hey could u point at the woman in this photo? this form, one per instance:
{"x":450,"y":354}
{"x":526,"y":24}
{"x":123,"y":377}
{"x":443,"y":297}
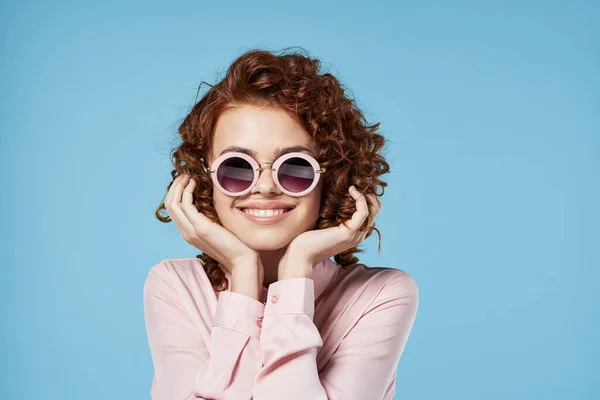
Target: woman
{"x":264,"y":312}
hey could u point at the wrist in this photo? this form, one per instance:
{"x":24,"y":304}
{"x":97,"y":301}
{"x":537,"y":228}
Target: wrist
{"x":247,"y":278}
{"x":246,"y":267}
{"x":294,"y":268}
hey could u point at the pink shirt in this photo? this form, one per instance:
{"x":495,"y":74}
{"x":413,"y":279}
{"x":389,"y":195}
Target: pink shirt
{"x":337,"y":336}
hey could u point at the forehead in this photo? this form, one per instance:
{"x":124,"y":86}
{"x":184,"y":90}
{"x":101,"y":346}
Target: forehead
{"x":261,"y":130}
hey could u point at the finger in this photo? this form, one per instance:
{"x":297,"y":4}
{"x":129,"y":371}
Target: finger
{"x":362,"y":210}
{"x":169,"y":199}
{"x":376,"y":206}
{"x":175,"y":211}
{"x":377,"y":200}
{"x":374,"y":209}
{"x":196,"y":219}
{"x":170,"y":191}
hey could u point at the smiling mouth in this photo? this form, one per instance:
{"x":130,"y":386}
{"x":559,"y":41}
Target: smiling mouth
{"x":285,"y":211}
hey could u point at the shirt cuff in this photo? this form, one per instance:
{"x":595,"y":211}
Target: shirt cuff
{"x":239,"y":313}
{"x":291,"y":296}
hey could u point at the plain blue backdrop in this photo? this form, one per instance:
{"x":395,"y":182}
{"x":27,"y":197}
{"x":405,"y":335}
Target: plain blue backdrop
{"x":492,"y":110}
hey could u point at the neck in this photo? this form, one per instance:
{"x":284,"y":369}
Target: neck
{"x":270,"y":261}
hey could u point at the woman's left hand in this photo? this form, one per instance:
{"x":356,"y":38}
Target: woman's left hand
{"x":311,"y":247}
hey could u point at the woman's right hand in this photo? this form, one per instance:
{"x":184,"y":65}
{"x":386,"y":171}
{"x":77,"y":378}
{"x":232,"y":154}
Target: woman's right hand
{"x":202,"y":233}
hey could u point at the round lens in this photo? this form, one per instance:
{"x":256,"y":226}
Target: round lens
{"x":235,"y":174}
{"x":296,"y":174}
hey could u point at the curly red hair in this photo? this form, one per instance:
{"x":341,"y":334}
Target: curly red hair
{"x":348,"y":147}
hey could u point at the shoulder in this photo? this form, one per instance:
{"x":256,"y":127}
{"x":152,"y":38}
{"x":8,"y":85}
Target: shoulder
{"x":380,"y":282}
{"x":177,"y":273}
{"x":401,"y":283}
{"x":394,"y":297}
{"x":178,"y":289}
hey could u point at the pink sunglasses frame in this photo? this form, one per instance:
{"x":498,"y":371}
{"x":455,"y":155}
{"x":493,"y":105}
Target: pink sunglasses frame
{"x":257,"y":168}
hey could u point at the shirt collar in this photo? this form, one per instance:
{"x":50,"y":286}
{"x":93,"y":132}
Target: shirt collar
{"x":322,"y":275}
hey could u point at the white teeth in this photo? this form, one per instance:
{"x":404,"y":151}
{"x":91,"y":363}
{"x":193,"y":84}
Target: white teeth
{"x":263,"y":213}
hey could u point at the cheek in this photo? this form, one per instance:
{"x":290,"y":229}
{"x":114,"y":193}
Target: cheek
{"x":313,"y":204}
{"x":222,"y":204}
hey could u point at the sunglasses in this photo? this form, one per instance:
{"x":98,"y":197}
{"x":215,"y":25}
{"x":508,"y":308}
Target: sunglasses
{"x":235,"y":174}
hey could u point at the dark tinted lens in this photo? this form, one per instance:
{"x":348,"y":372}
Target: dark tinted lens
{"x":296,"y":174}
{"x":235,"y":174}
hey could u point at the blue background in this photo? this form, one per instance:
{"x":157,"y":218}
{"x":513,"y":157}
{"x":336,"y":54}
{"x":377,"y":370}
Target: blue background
{"x":493,"y":115}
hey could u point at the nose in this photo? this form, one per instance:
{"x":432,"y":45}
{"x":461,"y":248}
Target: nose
{"x":265,"y":183}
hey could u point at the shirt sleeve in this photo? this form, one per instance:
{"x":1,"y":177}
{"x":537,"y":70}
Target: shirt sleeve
{"x":185,"y":367}
{"x":363,"y":367}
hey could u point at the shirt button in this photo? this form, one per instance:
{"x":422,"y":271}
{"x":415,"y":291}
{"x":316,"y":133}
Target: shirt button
{"x":259,"y":322}
{"x":274,"y":299}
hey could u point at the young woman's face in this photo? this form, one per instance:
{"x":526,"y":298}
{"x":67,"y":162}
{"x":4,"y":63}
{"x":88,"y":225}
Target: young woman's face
{"x":262,"y":130}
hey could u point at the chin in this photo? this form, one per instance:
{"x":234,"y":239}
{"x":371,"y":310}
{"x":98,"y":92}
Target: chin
{"x":266,"y":240}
